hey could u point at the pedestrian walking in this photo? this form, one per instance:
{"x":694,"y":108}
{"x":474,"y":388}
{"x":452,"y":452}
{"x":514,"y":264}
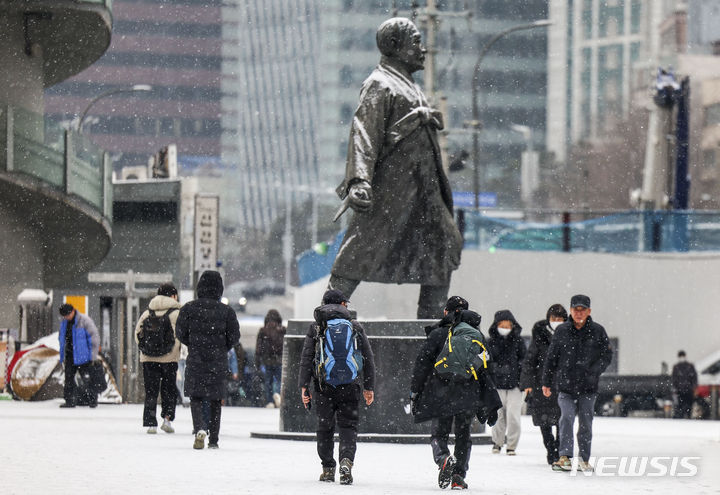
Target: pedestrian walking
{"x":684,"y":382}
{"x":159,"y":354}
{"x":336,"y":351}
{"x":508,"y":350}
{"x":450,"y":385}
{"x":545,"y":410}
{"x":579,"y":352}
{"x":79,"y":347}
{"x":268,"y":356}
{"x":209,"y":329}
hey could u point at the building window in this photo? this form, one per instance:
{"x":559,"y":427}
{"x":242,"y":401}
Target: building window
{"x":712,"y":114}
{"x":346,"y":75}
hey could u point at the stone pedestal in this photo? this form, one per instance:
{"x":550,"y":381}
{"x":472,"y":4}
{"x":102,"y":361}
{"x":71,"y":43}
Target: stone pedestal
{"x":395,"y":344}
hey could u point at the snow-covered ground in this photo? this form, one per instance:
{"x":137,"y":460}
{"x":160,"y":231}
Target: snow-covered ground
{"x":44,"y":449}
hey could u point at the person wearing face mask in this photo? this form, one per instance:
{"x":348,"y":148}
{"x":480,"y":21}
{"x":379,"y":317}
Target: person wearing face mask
{"x":579,"y":352}
{"x":545,"y":410}
{"x":507,"y":350}
{"x":684,"y":381}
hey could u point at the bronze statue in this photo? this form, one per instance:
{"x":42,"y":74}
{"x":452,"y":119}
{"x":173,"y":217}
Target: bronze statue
{"x":402,"y":230}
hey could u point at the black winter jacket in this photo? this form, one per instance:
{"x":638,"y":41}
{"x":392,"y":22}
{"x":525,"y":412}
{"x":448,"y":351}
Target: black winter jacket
{"x":323,"y":314}
{"x":209,"y":329}
{"x":684,"y":377}
{"x":441,"y":398}
{"x":545,"y":410}
{"x":507,"y":352}
{"x":577,"y":358}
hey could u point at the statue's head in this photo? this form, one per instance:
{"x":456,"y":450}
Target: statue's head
{"x":399,"y":39}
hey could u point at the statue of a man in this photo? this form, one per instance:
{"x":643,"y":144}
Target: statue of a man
{"x":403,"y":229}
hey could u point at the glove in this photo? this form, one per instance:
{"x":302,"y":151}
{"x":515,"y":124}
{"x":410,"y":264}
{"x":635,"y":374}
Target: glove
{"x":414,"y":397}
{"x":360,"y":196}
{"x":492,"y":418}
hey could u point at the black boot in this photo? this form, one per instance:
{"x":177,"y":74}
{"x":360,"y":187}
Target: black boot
{"x":346,"y":472}
{"x":328,"y":474}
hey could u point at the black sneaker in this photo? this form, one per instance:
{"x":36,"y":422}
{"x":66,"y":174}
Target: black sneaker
{"x":346,"y":472}
{"x":213,"y":446}
{"x":67,"y":404}
{"x":328,"y":474}
{"x":458,"y":482}
{"x":446,"y":468}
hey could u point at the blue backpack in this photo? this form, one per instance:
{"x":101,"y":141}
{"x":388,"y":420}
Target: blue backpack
{"x":337,"y":358}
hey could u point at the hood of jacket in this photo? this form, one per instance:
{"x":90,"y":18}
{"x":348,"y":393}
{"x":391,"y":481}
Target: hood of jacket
{"x":328,"y":312}
{"x":504,"y":314}
{"x":210,"y":285}
{"x":541,"y":331}
{"x":446,"y":321}
{"x":471,"y":318}
{"x":163,"y":303}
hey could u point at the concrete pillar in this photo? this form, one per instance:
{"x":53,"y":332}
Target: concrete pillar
{"x":21,"y":77}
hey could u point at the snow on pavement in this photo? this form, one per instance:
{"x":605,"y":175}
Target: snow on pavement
{"x":45,"y":449}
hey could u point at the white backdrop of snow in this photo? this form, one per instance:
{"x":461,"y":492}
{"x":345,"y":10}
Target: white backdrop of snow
{"x":45,"y":449}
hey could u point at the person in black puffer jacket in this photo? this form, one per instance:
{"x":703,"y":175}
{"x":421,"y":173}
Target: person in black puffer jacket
{"x":545,"y":410}
{"x":449,"y":402}
{"x":507,"y":350}
{"x":209,"y":329}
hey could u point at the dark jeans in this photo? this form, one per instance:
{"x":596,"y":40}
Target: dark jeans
{"x":582,"y":406}
{"x":70,"y":388}
{"x":213,"y":424}
{"x":684,"y":405}
{"x":463,"y":443}
{"x":551,"y":442}
{"x":340,"y":403}
{"x":272,"y":377}
{"x":159,"y":377}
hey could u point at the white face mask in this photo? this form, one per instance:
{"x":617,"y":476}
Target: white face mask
{"x":555,"y":324}
{"x":504,"y":331}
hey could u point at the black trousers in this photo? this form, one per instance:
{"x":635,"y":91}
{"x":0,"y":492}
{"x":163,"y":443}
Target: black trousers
{"x":684,"y":405}
{"x":337,"y":405}
{"x":70,"y":387}
{"x":159,"y":377}
{"x":463,"y":443}
{"x":213,"y":426}
{"x":551,"y":442}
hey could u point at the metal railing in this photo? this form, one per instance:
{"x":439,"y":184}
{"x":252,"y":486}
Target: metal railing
{"x":63,"y":159}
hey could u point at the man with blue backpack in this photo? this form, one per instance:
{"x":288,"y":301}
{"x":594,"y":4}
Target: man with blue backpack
{"x":335,"y":353}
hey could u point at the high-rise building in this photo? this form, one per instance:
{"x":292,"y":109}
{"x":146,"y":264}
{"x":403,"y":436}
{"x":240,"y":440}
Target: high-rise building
{"x":172,"y":45}
{"x":294,"y":71}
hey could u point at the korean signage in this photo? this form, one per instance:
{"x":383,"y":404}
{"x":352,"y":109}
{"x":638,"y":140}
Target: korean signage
{"x":207,"y":212}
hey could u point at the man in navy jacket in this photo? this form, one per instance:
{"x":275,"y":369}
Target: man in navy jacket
{"x":579,"y":352}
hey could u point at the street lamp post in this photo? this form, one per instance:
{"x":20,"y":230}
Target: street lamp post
{"x":475,"y":122}
{"x":133,"y":89}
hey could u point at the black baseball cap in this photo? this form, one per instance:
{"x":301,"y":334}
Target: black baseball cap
{"x":455,"y":303}
{"x":65,"y":309}
{"x":579,"y":300}
{"x":334,"y":296}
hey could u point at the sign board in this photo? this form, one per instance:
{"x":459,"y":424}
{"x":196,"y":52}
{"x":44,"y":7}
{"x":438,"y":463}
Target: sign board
{"x":78,"y":302}
{"x":464,"y":199}
{"x":207,"y":212}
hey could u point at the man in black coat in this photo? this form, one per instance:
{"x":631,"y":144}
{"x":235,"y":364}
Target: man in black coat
{"x":341,"y":403}
{"x":684,"y":381}
{"x":545,"y":410}
{"x":507,"y":349}
{"x":209,"y":329}
{"x":579,"y":352}
{"x":447,"y":401}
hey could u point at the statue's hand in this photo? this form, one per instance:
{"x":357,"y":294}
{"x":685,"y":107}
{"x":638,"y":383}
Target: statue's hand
{"x":360,"y":196}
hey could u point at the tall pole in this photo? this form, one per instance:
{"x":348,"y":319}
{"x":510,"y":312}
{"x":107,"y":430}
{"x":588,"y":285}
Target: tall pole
{"x":475,"y":122}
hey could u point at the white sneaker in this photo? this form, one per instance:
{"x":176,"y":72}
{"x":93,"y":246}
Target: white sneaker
{"x":167,"y":427}
{"x":270,"y":405}
{"x":200,"y":440}
{"x":585,"y":466}
{"x":152,"y":430}
{"x":276,"y":399}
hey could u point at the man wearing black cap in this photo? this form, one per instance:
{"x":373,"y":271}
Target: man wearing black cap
{"x":340,"y":401}
{"x":684,"y":381}
{"x":579,"y":352}
{"x":79,"y":347}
